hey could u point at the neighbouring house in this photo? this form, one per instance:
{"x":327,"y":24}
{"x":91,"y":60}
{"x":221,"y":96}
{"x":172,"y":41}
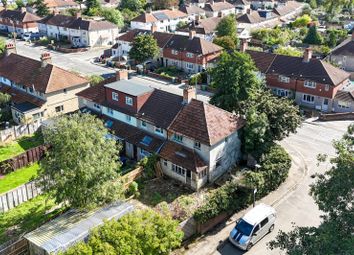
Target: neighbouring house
{"x":219,"y":9}
{"x":204,"y":28}
{"x":242,"y":6}
{"x":190,"y":53}
{"x":19,"y":21}
{"x":73,"y":226}
{"x":343,"y":55}
{"x":78,"y":31}
{"x":164,"y":20}
{"x":110,"y":3}
{"x":38,"y":89}
{"x":193,"y":11}
{"x":199,"y":3}
{"x":56,"y":6}
{"x":312,"y":83}
{"x":124,"y":42}
{"x":197,"y":142}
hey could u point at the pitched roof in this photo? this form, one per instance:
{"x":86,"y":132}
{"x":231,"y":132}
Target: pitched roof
{"x":252,"y":18}
{"x":346,"y":48}
{"x":289,"y":7}
{"x":145,"y":18}
{"x":160,"y":37}
{"x":19,"y":97}
{"x":193,"y":9}
{"x":347,"y":96}
{"x":219,"y":6}
{"x":150,"y":17}
{"x":205,"y":122}
{"x":316,"y":70}
{"x":195,"y":45}
{"x":202,"y":26}
{"x":60,"y":3}
{"x":182,"y":156}
{"x":19,"y":16}
{"x":77,"y":23}
{"x":30,"y":73}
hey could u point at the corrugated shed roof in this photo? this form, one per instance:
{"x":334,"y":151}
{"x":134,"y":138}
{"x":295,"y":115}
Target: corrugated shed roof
{"x":73,"y":226}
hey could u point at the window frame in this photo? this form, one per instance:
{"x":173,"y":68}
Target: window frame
{"x":115,"y":96}
{"x":284,"y":79}
{"x":129,"y":101}
{"x":305,"y":98}
{"x":310,"y":84}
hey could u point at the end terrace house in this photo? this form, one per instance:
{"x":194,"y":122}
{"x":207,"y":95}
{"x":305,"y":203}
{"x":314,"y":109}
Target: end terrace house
{"x":80,"y":32}
{"x":38,"y":89}
{"x":19,"y":21}
{"x":196,"y":142}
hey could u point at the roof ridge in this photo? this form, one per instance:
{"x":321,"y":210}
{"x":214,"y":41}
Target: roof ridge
{"x":323,"y":63}
{"x":50,"y":78}
{"x":205,"y":119}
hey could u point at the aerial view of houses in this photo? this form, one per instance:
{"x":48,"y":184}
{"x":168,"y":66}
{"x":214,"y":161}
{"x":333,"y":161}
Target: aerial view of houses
{"x":175,"y":127}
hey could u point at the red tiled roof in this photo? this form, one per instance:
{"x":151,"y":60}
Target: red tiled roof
{"x":160,"y":37}
{"x":29,"y":72}
{"x":18,"y":97}
{"x":182,"y":156}
{"x":19,"y":16}
{"x":205,"y":123}
{"x":219,"y":6}
{"x":145,"y":18}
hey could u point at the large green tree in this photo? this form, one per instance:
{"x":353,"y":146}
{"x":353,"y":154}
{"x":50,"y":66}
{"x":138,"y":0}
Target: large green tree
{"x":141,"y":232}
{"x":113,"y":15}
{"x":93,"y":7}
{"x":227,"y":27}
{"x":42,"y":8}
{"x":313,"y":37}
{"x":133,"y":5}
{"x":144,"y":47}
{"x":333,"y":193}
{"x":227,"y":42}
{"x":164,"y":4}
{"x":82,"y":165}
{"x":235,"y":81}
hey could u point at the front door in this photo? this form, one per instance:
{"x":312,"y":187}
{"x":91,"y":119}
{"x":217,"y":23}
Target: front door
{"x":325,"y":105}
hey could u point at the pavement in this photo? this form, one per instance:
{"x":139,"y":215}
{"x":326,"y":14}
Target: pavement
{"x":292,"y":201}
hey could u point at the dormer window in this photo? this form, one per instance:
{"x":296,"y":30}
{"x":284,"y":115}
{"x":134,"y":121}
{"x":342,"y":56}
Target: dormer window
{"x":115,"y":96}
{"x":310,"y":84}
{"x":129,"y":100}
{"x":284,"y":79}
{"x":190,"y":55}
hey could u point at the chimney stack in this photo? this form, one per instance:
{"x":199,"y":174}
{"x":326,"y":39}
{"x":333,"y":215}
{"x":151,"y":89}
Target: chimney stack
{"x":122,"y":75}
{"x":10,"y":48}
{"x":153,"y":28}
{"x":189,"y":93}
{"x":243,"y":45}
{"x":307,"y":55}
{"x":23,"y":9}
{"x":192,"y":34}
{"x":78,"y":15}
{"x":46,"y":59}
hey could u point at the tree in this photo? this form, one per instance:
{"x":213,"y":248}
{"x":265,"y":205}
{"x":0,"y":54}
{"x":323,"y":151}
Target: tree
{"x":95,"y":79}
{"x":313,"y":37}
{"x":113,"y":15}
{"x":335,"y":36}
{"x":140,"y":232}
{"x":4,"y":3}
{"x":288,"y":51}
{"x":93,"y":7}
{"x":302,"y":21}
{"x":333,"y":193}
{"x":20,"y":4}
{"x":227,"y":27}
{"x":42,"y":8}
{"x":235,"y":80}
{"x":2,"y":46}
{"x":133,"y":5}
{"x":81,"y":167}
{"x":164,"y":4}
{"x":144,"y":47}
{"x":226,"y":42}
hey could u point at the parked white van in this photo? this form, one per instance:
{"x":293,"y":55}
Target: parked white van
{"x":253,"y":226}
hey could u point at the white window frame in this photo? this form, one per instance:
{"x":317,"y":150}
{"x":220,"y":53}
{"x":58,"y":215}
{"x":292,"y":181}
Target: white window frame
{"x":177,"y":138}
{"x":284,"y":79}
{"x":305,"y":98}
{"x":197,"y":145}
{"x":143,"y":124}
{"x":178,"y":170}
{"x":174,"y":52}
{"x":128,"y":118}
{"x":110,"y":111}
{"x":189,"y":66}
{"x":97,"y":106}
{"x":343,"y":105}
{"x":189,"y":55}
{"x":128,"y":100}
{"x":310,"y":84}
{"x":114,"y":96}
{"x":61,"y":108}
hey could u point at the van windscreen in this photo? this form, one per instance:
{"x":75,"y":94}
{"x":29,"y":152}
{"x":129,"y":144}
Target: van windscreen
{"x":244,"y":227}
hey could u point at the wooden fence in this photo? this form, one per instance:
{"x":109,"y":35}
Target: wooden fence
{"x":15,"y":247}
{"x":132,"y":176}
{"x":19,"y":195}
{"x":15,"y":132}
{"x":28,"y":157}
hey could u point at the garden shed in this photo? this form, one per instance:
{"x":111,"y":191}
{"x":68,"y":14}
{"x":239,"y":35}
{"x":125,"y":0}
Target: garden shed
{"x":72,"y":227}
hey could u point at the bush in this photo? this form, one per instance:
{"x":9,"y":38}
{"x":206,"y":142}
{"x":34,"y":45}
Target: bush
{"x":228,"y":198}
{"x":149,"y":164}
{"x":196,"y":79}
{"x":133,"y":190}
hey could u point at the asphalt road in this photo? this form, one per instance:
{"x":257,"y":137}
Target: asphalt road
{"x":298,"y":206}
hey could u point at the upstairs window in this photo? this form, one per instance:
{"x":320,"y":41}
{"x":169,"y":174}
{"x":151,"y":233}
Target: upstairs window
{"x":284,"y":79}
{"x":114,"y":96}
{"x":59,"y":108}
{"x":97,"y":106}
{"x":128,"y":118}
{"x":310,"y":84}
{"x":143,"y":124}
{"x":190,"y":55}
{"x":158,"y":130}
{"x":178,"y":138}
{"x":197,"y":145}
{"x":174,"y":52}
{"x":129,"y":100}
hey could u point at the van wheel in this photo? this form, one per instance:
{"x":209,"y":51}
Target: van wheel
{"x":271,"y":228}
{"x":249,"y":246}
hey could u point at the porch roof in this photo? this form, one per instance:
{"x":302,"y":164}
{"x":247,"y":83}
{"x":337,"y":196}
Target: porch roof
{"x":25,"y":107}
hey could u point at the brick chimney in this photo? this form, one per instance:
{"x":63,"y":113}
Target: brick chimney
{"x":189,"y":93}
{"x":78,"y":15}
{"x":243,"y":45}
{"x":46,"y":59}
{"x":153,"y":28}
{"x":307,"y":55}
{"x":122,"y":75}
{"x":10,"y":48}
{"x":192,"y":34}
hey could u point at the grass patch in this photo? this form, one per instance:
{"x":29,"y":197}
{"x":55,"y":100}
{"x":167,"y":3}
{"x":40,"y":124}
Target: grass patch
{"x":18,"y":177}
{"x":21,"y":145}
{"x":27,"y":217}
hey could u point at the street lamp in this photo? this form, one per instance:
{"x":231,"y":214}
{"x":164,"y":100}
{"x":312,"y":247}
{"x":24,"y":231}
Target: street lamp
{"x":254,"y":197}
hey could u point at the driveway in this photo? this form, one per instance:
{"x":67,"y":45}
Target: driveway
{"x":296,"y":206}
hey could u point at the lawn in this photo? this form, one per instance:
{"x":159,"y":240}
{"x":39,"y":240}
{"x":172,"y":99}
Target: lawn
{"x":21,"y":145}
{"x":18,"y":177}
{"x":27,"y":217}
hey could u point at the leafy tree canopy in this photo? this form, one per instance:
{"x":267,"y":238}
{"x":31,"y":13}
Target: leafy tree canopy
{"x":227,"y":42}
{"x":274,"y":36}
{"x":144,"y":48}
{"x":2,"y":46}
{"x":333,"y":193}
{"x":302,"y":21}
{"x":113,"y":15}
{"x":313,"y":37}
{"x":133,"y":5}
{"x":288,"y":51}
{"x":93,"y":7}
{"x":227,"y":27}
{"x":81,"y":168}
{"x":42,"y":8}
{"x":141,"y":232}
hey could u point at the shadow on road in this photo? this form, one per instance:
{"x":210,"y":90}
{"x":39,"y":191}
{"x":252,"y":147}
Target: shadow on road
{"x":227,"y":248}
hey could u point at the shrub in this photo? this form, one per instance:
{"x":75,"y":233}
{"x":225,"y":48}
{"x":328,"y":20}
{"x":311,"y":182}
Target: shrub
{"x":133,"y":190}
{"x":149,"y":164}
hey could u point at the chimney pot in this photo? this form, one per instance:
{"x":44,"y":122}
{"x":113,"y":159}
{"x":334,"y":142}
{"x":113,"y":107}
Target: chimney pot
{"x":307,"y":55}
{"x":192,"y":34}
{"x":189,"y":93}
{"x":46,"y":59}
{"x":244,"y":45}
{"x":122,"y":75}
{"x":10,"y":48}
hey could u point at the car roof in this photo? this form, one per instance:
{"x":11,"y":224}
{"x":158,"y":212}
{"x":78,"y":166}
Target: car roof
{"x":258,"y":213}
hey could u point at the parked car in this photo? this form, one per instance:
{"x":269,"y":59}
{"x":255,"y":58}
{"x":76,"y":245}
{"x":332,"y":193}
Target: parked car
{"x":28,"y":36}
{"x":253,"y":226}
